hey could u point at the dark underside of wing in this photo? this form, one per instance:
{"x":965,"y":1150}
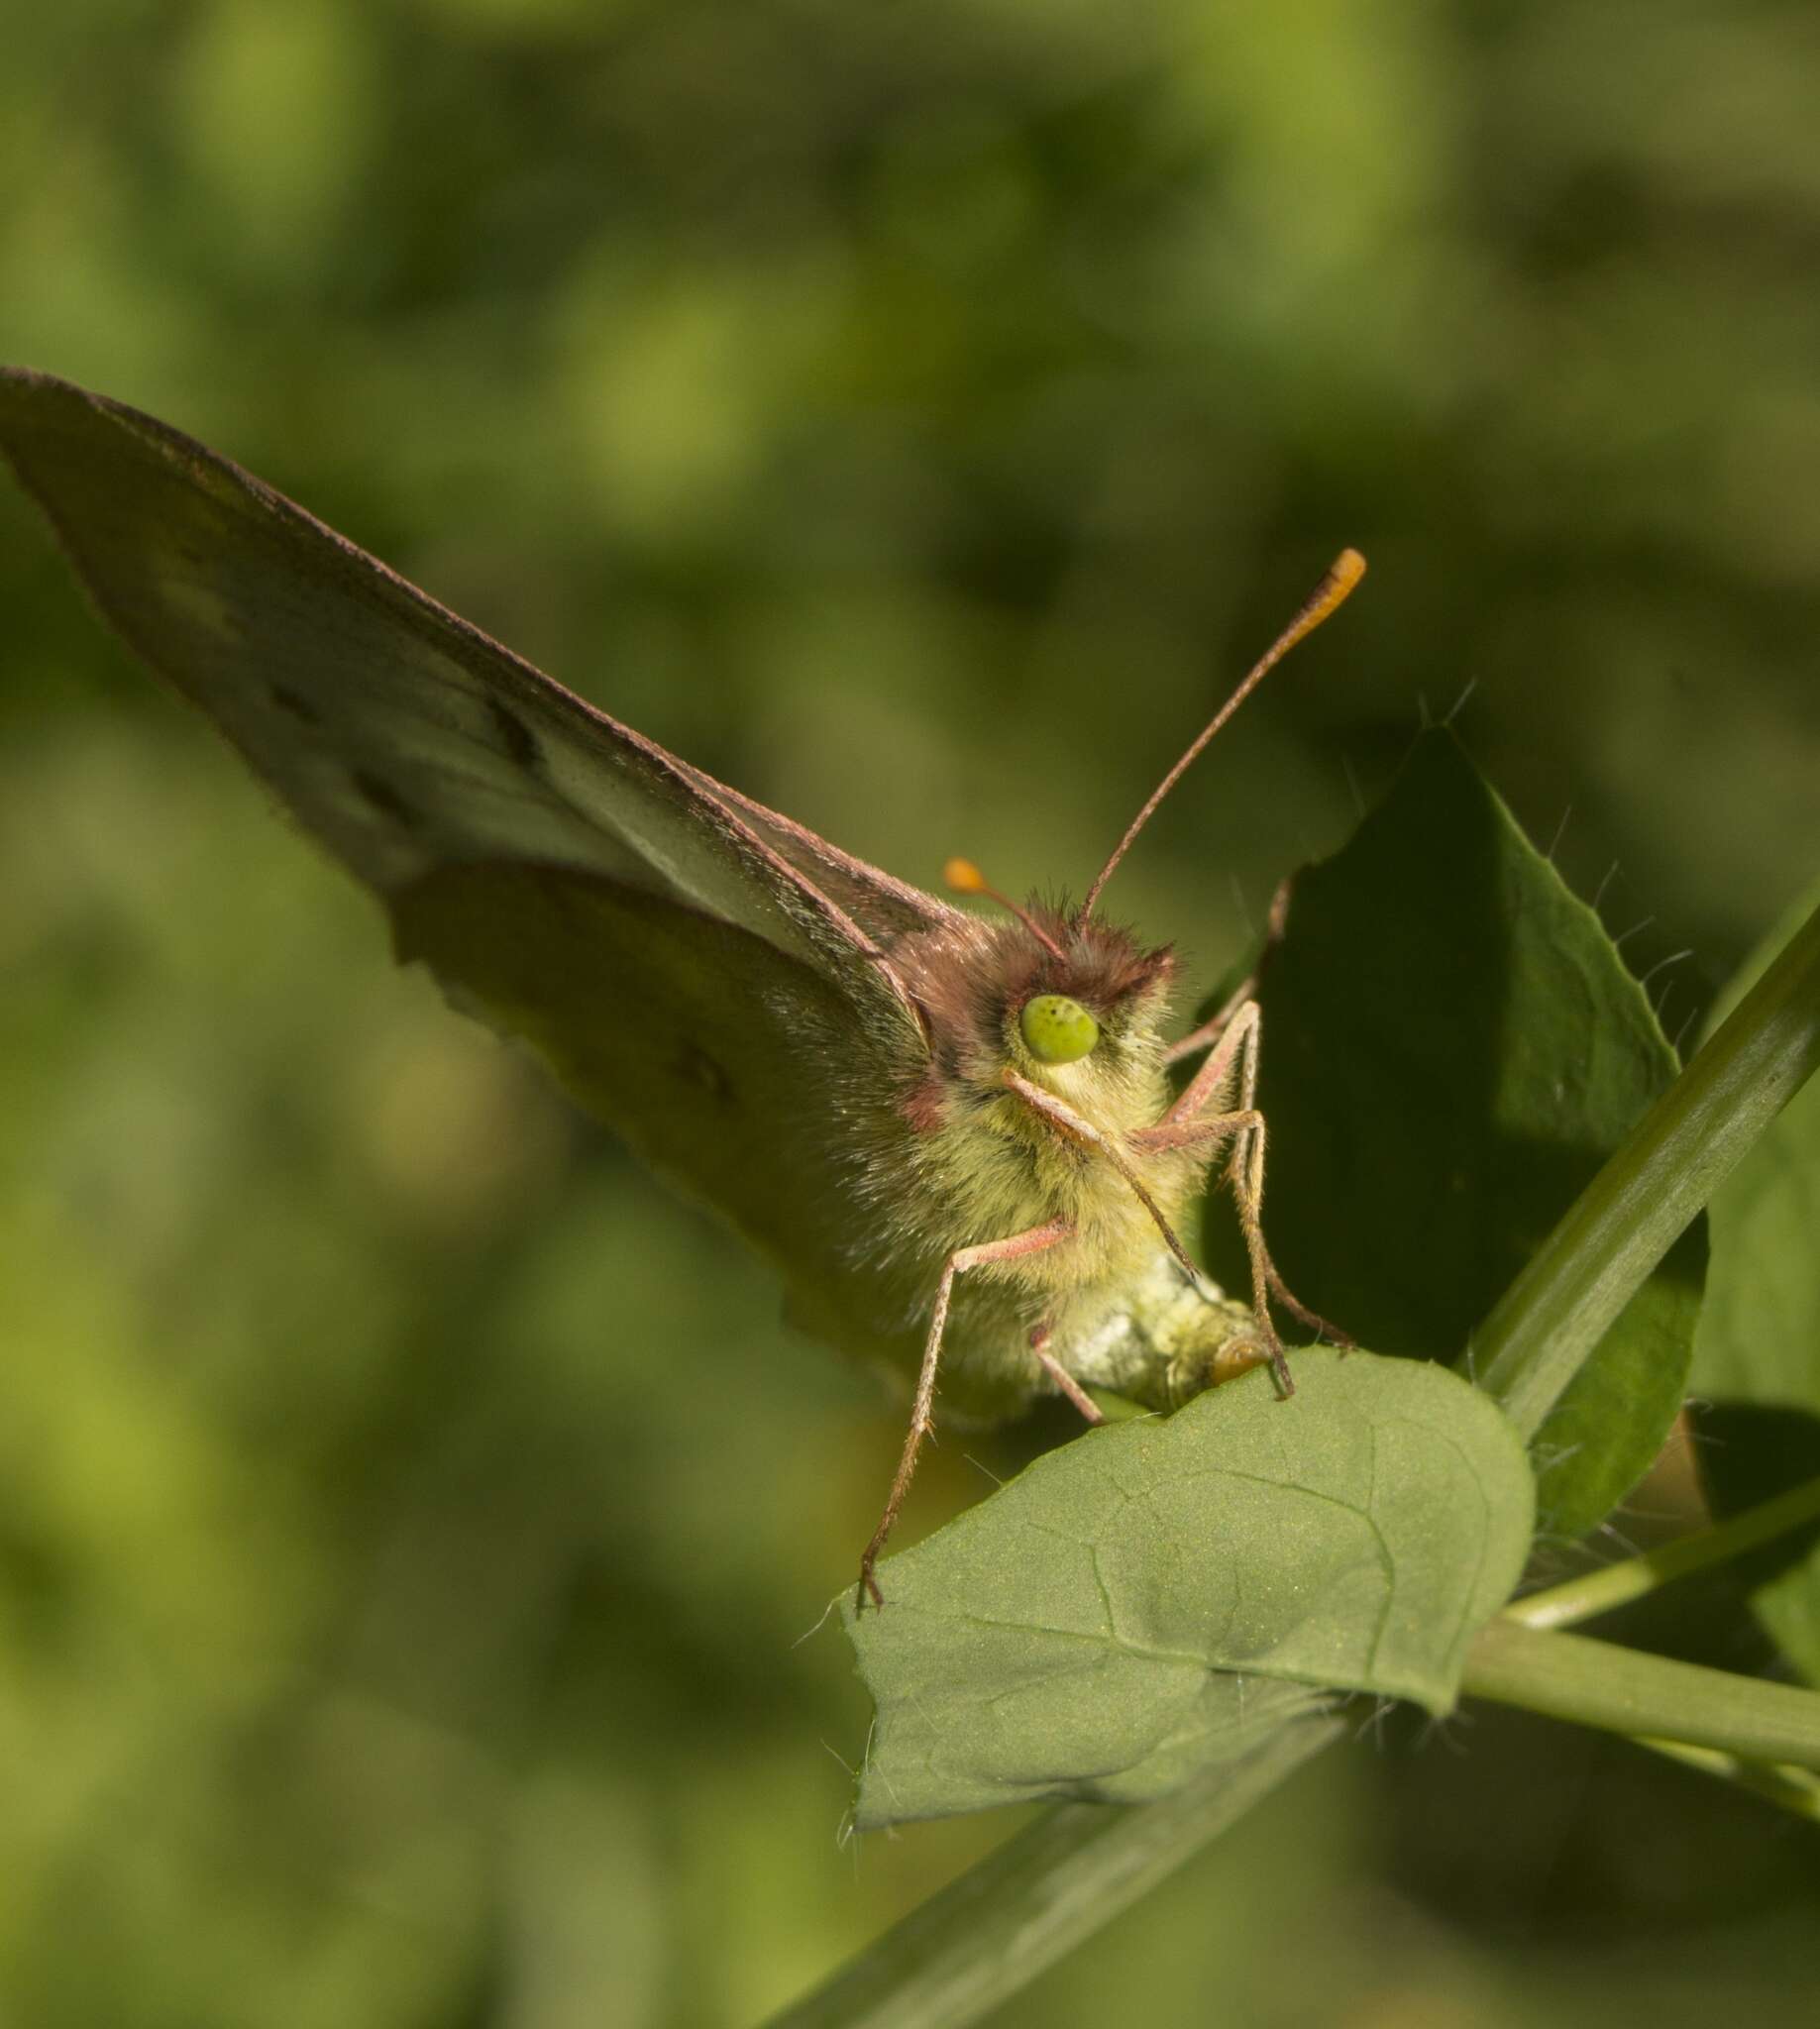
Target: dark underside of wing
{"x":732,"y":1069}
{"x":403,"y":737}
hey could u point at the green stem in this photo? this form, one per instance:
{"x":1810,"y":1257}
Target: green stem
{"x":1587,"y":1270}
{"x":1789,"y":1789}
{"x":1002,"y":1922}
{"x":1613,"y":1585}
{"x":1650,"y":1697}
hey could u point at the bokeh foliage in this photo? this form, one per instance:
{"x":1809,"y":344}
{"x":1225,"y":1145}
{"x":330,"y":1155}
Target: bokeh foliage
{"x":915,"y":417}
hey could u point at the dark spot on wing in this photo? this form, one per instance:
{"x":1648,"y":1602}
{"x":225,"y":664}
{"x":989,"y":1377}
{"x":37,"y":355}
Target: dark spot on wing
{"x":520,"y":741}
{"x":701,"y":1071}
{"x":299,"y":707}
{"x":383,"y":798}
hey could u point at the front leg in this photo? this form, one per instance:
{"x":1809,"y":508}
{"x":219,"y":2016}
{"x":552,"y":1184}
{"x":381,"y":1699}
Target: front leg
{"x":1211,"y":1031}
{"x":1233,"y":1057}
{"x":1203,"y":1114}
{"x":922,"y":1411}
{"x":1216,"y":1025}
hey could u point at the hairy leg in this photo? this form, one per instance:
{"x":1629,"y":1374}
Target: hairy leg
{"x":1216,"y":1025}
{"x":1069,"y":1386}
{"x":922,"y":1411}
{"x":1233,"y":1063}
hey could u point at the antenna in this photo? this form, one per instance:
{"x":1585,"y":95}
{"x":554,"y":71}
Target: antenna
{"x":1327,"y":598}
{"x":964,"y":878}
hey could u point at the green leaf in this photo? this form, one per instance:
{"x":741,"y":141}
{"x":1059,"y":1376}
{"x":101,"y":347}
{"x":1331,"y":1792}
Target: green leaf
{"x":1758,"y":1353}
{"x":1452,"y":1048}
{"x":1160,"y":1595}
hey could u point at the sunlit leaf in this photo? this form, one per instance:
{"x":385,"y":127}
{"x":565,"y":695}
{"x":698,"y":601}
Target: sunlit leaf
{"x":1162,"y":1593}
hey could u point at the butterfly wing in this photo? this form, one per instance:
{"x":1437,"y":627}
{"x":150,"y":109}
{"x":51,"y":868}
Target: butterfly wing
{"x":730,"y":1067}
{"x":403,"y":737}
{"x":710,"y":977}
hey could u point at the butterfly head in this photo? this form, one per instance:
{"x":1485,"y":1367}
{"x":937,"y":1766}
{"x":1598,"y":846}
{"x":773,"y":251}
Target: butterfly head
{"x":1069,"y":1002}
{"x":1085,"y":1018}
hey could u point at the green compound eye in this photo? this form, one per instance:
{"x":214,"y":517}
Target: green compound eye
{"x":1057,"y":1029}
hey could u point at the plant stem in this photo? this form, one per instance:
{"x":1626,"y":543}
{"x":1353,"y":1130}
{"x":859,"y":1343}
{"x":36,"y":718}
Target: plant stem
{"x":1650,"y":1697}
{"x":1587,"y":1270}
{"x":1613,"y":1585}
{"x":1045,"y":1889}
{"x":1789,"y":1789}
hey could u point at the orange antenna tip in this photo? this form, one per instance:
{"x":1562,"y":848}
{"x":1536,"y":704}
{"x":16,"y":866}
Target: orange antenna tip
{"x":1342,"y":575}
{"x":966,"y":878}
{"x":1349,"y":569}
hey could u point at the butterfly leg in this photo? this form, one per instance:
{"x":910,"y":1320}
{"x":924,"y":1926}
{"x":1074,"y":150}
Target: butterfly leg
{"x":923,"y":1412}
{"x":1233,"y":1063}
{"x":1217,"y":1024}
{"x":1061,"y":1114}
{"x":1090,"y":1411}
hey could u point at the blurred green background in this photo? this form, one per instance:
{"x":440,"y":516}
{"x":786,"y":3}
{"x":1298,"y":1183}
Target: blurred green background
{"x":917,"y":416}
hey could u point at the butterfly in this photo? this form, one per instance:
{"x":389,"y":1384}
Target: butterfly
{"x":955,"y":1134}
